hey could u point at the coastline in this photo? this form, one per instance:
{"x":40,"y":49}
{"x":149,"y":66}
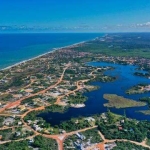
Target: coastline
{"x":50,"y":51}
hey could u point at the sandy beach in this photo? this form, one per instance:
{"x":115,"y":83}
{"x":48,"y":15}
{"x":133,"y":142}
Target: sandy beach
{"x":52,"y":51}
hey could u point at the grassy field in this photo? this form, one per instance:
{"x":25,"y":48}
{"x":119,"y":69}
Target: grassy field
{"x":121,"y":102}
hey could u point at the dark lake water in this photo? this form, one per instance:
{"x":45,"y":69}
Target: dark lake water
{"x":94,"y":104}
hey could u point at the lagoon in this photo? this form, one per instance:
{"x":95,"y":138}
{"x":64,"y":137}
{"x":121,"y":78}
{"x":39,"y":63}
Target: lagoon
{"x":95,"y":103}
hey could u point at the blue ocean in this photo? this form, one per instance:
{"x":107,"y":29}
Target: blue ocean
{"x":15,"y":48}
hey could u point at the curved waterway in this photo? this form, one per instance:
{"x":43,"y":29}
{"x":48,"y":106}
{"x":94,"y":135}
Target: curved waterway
{"x":94,"y":104}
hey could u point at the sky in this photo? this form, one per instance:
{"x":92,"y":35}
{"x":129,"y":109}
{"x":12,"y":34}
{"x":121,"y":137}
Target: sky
{"x":74,"y":15}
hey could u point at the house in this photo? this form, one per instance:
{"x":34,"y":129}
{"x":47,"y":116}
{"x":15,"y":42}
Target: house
{"x":31,"y":140}
{"x":18,"y":133}
{"x":29,"y":121}
{"x":103,"y":115}
{"x":37,"y":128}
{"x":122,"y":121}
{"x":19,"y":123}
{"x":22,"y":107}
{"x":82,"y":137}
{"x":62,"y":131}
{"x":120,"y":128}
{"x":90,"y":119}
{"x":49,"y":78}
{"x":8,"y":121}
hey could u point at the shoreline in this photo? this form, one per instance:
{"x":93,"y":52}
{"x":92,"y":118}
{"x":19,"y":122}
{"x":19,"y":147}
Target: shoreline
{"x":50,"y":51}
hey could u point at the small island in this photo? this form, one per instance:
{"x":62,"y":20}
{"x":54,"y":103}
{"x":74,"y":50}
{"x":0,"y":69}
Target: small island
{"x":139,"y":89}
{"x":121,"y":102}
{"x":146,"y":75}
{"x":145,"y":112}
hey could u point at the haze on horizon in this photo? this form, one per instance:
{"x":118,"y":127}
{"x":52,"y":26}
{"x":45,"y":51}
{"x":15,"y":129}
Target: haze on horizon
{"x":74,"y":16}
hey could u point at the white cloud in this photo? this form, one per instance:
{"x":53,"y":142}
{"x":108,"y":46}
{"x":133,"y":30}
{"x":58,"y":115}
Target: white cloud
{"x":147,"y":24}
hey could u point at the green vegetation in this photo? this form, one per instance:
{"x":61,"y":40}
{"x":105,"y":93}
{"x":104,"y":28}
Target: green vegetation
{"x":55,"y":108}
{"x":92,"y":135}
{"x":32,"y":115}
{"x":74,"y":124}
{"x":148,"y":142}
{"x":92,"y":88}
{"x":128,"y":146}
{"x":145,"y":112}
{"x":145,"y":99}
{"x":28,"y":100}
{"x":8,"y":134}
{"x":44,"y":143}
{"x":121,"y":102}
{"x":1,"y":121}
{"x":5,"y":97}
{"x":113,"y":118}
{"x":17,"y":81}
{"x":51,"y":100}
{"x":77,"y":99}
{"x":39,"y":142}
{"x":137,"y":89}
{"x":69,"y":142}
{"x":104,"y":78}
{"x":124,"y":128}
{"x":119,"y":45}
{"x":23,"y":145}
